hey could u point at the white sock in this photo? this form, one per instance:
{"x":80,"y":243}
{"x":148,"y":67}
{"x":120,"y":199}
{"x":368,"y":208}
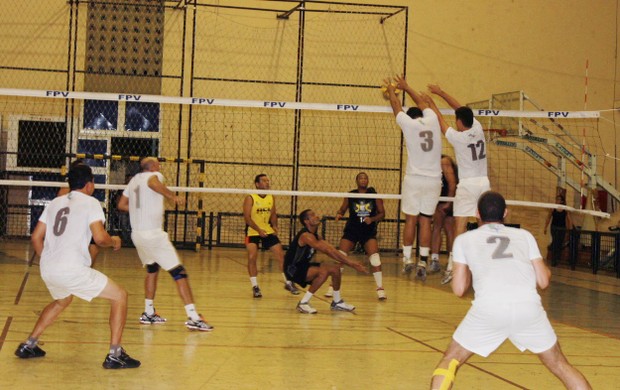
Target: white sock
{"x":407,"y":251}
{"x":285,"y":279}
{"x":449,"y":267}
{"x":191,"y":312}
{"x":424,"y":251}
{"x":253,"y":281}
{"x":307,"y":297}
{"x":149,"y":309}
{"x":435,"y":257}
{"x":378,"y":278}
{"x":337,"y":296}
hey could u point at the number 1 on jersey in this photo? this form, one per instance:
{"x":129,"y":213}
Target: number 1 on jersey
{"x":137,"y":192}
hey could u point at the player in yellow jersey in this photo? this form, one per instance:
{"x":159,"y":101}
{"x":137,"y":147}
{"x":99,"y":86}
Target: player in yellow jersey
{"x":259,"y":212}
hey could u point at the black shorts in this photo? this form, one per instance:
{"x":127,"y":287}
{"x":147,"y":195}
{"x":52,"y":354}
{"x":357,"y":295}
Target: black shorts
{"x":360,"y":236}
{"x":299,"y":272}
{"x":267,"y":242}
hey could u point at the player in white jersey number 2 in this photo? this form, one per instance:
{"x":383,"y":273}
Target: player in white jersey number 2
{"x":505,"y":266}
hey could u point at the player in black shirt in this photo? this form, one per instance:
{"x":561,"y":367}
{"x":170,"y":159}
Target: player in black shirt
{"x":299,"y":268}
{"x":364,"y":216}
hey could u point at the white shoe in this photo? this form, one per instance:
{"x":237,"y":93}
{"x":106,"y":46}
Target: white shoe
{"x":407,"y":265}
{"x":305,"y":308}
{"x":330,"y":292}
{"x":381,"y":294}
{"x":342,"y":306}
{"x":421,"y":271}
{"x":435,"y":267}
{"x":447,"y":277}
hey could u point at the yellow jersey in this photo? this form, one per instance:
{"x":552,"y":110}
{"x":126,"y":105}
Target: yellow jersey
{"x":261,"y":213}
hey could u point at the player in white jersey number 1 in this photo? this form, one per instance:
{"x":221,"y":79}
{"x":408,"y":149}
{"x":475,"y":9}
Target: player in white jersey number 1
{"x":144,"y":199}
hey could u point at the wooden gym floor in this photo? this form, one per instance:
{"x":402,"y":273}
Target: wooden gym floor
{"x":266,"y":344}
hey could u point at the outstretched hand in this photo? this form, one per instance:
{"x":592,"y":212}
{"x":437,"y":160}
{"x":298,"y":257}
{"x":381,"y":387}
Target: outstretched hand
{"x":388,"y":85}
{"x":359,"y":267}
{"x":401,"y":83}
{"x":434,"y":88}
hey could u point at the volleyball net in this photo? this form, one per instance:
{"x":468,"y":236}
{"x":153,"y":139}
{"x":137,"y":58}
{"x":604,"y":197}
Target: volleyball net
{"x":211,"y":149}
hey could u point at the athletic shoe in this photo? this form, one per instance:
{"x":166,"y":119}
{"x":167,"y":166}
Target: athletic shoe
{"x":26,"y":352}
{"x":330,"y":292}
{"x":421,"y":271}
{"x":200,"y":325}
{"x":151,"y":319}
{"x":447,"y":277}
{"x":304,"y":307}
{"x":342,"y":306}
{"x":435,"y":267}
{"x":291,"y":288}
{"x":122,"y":361}
{"x":381,"y":294}
{"x":407,"y":265}
{"x":256,"y":292}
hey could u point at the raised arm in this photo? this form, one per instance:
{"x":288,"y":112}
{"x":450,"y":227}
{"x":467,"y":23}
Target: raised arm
{"x":436,"y":89}
{"x":161,"y":188}
{"x":431,"y":103}
{"x":402,"y":84}
{"x":331,"y":251}
{"x":394,"y":100}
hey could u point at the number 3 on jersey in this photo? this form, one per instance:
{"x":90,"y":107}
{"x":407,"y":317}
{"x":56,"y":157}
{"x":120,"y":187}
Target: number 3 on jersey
{"x":427,"y":144}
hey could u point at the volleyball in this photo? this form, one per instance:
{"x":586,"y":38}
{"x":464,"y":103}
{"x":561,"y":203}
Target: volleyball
{"x":385,"y":93}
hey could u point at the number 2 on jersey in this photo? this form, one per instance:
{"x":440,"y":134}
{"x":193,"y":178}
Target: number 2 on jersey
{"x":500,"y":251}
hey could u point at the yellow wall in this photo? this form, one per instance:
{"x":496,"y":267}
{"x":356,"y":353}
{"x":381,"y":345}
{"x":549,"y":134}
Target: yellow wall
{"x":472,"y":48}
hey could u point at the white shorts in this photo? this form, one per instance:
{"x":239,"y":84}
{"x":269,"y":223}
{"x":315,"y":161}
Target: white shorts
{"x":487,"y":326}
{"x":420,"y":194}
{"x":154,"y":246}
{"x":467,"y":193}
{"x":81,"y":281}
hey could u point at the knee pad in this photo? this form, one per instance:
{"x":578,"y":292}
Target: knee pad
{"x":375,"y":260}
{"x":152,"y":268}
{"x":178,"y":273}
{"x":448,"y":374}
